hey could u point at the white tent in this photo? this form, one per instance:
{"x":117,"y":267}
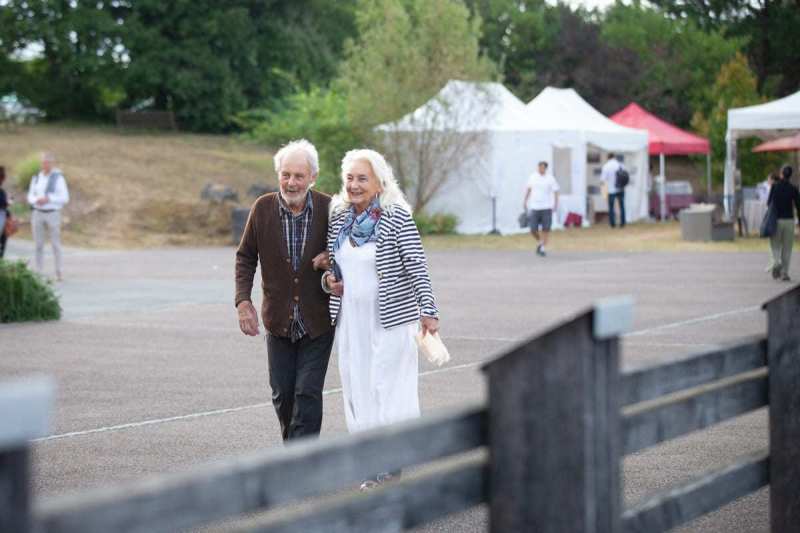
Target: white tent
{"x":767,"y":121}
{"x":517,"y":138}
{"x":571,"y":129}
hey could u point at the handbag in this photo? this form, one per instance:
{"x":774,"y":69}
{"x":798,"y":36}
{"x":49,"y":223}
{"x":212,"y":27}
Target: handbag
{"x":523,"y":219}
{"x":769,"y":224}
{"x":11,"y":226}
{"x":432,"y":348}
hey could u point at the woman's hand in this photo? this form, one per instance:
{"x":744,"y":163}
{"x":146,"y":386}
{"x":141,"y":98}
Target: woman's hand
{"x":321,"y":261}
{"x":429,"y":325}
{"x":334,"y":285}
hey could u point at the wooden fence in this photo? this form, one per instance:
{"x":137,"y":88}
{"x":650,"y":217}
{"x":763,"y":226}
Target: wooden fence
{"x":158,"y":120}
{"x":544,"y":453}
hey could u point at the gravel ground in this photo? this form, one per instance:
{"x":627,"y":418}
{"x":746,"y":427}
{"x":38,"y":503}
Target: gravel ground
{"x":155,"y":377}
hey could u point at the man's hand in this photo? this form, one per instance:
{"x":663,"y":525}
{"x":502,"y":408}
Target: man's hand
{"x":41,"y":201}
{"x":321,"y":261}
{"x":334,"y":285}
{"x":429,"y":325}
{"x":248,"y":318}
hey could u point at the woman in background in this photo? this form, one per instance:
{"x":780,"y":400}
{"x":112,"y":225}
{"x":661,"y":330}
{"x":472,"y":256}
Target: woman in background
{"x":785,"y":200}
{"x":4,"y":213}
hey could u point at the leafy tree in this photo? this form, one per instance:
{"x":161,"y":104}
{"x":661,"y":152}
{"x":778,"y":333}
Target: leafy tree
{"x":678,"y":60}
{"x":735,"y":86}
{"x":319,"y":115}
{"x":768,"y":26}
{"x":77,"y":74}
{"x":406,"y":51}
{"x":185,"y":55}
{"x":514,"y":32}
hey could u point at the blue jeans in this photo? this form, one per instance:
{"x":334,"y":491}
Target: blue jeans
{"x":616,"y":197}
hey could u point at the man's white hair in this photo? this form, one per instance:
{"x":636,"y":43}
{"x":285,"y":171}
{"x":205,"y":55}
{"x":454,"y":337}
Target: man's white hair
{"x":390,"y":195}
{"x":300,"y":145}
{"x":49,"y":157}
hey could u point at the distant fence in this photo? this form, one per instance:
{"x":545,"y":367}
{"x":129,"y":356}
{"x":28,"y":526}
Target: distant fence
{"x":559,"y":419}
{"x":155,"y":120}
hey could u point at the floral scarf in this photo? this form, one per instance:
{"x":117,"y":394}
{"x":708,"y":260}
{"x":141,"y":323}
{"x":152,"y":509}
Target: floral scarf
{"x":360,"y":229}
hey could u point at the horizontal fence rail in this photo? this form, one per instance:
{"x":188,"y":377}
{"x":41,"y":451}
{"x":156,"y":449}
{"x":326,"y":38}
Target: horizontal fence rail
{"x":678,"y":506}
{"x":261,"y":482}
{"x":649,"y":423}
{"x":653,"y":382}
{"x":404,"y":505}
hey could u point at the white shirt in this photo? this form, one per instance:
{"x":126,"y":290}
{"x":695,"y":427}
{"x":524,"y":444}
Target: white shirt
{"x":543,"y":188}
{"x":609,"y":174}
{"x":38,"y":189}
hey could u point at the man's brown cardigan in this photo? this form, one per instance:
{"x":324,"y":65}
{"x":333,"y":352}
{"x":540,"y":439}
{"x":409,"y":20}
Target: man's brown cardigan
{"x":263,"y":241}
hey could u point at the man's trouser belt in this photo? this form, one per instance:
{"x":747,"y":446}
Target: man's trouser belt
{"x":45,"y":210}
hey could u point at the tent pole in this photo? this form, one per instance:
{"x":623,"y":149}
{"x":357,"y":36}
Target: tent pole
{"x":663,"y":187}
{"x":708,"y":175}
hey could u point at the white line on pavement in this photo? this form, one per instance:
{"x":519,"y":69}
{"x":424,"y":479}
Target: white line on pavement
{"x":672,"y":325}
{"x":327,"y":392}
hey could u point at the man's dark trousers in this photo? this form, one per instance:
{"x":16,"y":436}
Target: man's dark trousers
{"x":612,"y":216}
{"x":297,"y":376}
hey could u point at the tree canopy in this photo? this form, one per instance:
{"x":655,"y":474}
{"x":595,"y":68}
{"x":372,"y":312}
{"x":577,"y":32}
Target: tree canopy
{"x":209,"y":61}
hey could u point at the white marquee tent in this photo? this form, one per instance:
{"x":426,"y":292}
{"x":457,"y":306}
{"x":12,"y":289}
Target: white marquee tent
{"x":558,"y":127}
{"x":767,"y":121}
{"x":571,"y":128}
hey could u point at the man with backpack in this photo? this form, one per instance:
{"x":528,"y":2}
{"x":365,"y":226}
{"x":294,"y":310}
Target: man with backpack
{"x":616,"y":178}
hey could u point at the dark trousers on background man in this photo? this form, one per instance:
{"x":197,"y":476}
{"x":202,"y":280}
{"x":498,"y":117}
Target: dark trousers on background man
{"x":616,"y":197}
{"x":297,"y":375}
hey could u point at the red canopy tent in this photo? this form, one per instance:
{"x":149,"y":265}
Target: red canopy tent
{"x":665,"y":139}
{"x":783,"y":144}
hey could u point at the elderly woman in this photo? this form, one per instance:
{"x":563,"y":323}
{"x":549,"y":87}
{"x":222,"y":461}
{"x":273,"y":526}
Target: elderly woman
{"x":380,"y":292}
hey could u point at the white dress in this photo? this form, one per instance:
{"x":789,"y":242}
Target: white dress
{"x":378,"y":367}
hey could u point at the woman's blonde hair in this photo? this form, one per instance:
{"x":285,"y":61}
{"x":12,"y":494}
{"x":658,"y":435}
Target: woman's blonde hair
{"x":390,"y":196}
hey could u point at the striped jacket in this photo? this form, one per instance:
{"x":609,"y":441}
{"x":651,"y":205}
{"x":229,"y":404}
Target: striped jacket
{"x":404,"y":286}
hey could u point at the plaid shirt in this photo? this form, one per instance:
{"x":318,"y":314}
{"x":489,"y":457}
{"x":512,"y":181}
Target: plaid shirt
{"x":295,"y":230}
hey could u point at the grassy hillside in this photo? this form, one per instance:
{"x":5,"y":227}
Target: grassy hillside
{"x":140,"y":188}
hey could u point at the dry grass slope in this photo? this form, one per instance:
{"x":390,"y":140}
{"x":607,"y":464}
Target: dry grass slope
{"x":141,"y":188}
{"x":138,"y":189}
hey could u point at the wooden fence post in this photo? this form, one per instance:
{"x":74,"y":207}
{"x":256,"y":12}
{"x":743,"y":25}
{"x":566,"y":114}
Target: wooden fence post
{"x":554,"y":427}
{"x":24,"y":414}
{"x":783,"y":359}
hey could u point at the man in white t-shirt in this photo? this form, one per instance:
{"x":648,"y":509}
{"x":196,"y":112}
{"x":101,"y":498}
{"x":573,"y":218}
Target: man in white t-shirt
{"x":609,"y":175}
{"x":541,"y":199}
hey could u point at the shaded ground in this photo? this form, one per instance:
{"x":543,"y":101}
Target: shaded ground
{"x":148,"y":353}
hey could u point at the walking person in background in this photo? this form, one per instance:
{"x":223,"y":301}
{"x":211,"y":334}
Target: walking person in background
{"x":286,"y":232}
{"x":381,"y":291}
{"x":4,"y":213}
{"x":541,"y":201}
{"x":47,"y":195}
{"x":785,"y":200}
{"x":615,"y":195}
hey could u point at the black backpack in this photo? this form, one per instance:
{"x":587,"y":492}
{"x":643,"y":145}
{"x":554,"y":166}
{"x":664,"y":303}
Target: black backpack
{"x":623,"y":178}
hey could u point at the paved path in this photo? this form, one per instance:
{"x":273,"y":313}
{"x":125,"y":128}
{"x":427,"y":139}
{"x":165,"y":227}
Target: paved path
{"x":154,"y":376}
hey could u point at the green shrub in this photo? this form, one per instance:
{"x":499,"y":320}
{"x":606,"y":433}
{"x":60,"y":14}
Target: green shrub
{"x":25,"y":170}
{"x":438,"y":224}
{"x":24,"y":295}
{"x":319,"y":115}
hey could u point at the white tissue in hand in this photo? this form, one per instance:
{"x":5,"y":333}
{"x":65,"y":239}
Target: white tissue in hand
{"x":433,"y":348}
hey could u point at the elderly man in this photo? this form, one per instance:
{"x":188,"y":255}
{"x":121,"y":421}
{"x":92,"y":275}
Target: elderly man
{"x":47,"y":195}
{"x":286,"y":232}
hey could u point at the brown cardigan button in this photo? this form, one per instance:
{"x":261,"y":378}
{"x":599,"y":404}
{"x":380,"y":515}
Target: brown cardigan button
{"x":297,"y":280}
{"x":296,"y":298}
